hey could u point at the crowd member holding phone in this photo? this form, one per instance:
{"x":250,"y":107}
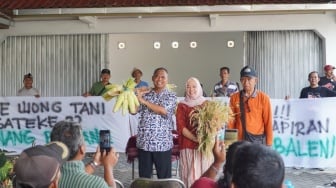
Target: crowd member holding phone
{"x":192,"y":162}
{"x":208,"y":179}
{"x":329,"y":80}
{"x":155,"y":138}
{"x":74,"y":172}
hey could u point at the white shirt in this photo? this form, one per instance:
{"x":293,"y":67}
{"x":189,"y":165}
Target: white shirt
{"x":28,"y":92}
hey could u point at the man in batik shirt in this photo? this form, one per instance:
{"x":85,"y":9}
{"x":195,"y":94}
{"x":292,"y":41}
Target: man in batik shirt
{"x":155,"y":139}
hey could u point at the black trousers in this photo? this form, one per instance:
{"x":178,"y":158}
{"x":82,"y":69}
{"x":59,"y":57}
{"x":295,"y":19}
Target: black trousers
{"x":161,"y":161}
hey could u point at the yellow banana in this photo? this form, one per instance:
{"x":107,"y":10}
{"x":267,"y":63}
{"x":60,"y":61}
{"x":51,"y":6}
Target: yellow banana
{"x":135,"y":98}
{"x":125,"y":105}
{"x":119,"y":102}
{"x":130,"y":84}
{"x":107,"y":97}
{"x":131,"y":103}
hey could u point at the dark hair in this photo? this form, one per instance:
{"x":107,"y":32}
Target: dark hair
{"x":70,"y":133}
{"x":225,"y":180}
{"x":29,"y":75}
{"x":134,"y":71}
{"x":158,"y":69}
{"x":257,"y":166}
{"x":312,"y":72}
{"x":105,"y":71}
{"x":225,"y":68}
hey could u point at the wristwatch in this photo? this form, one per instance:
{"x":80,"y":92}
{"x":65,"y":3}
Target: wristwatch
{"x":93,"y":164}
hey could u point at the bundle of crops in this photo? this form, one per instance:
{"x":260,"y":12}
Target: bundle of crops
{"x":126,"y":99}
{"x":171,"y":87}
{"x":208,"y":120}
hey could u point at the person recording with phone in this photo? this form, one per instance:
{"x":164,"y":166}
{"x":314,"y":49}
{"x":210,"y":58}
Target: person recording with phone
{"x":74,"y":172}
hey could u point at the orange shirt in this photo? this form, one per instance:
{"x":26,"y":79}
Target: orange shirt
{"x":258,"y":115}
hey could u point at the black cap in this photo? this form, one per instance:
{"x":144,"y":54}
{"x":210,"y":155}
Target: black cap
{"x":105,"y":71}
{"x":29,"y":75}
{"x":248,"y":71}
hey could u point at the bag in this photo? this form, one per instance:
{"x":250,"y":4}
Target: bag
{"x":257,"y":139}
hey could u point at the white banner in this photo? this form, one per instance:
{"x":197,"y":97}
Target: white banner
{"x":304,"y":129}
{"x":28,"y":120}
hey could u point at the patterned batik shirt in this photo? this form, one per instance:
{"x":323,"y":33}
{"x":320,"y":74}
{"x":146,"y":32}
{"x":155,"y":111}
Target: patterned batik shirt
{"x":155,"y":130}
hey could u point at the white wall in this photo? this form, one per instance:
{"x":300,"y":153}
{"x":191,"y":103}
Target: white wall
{"x":202,"y":62}
{"x":322,"y":22}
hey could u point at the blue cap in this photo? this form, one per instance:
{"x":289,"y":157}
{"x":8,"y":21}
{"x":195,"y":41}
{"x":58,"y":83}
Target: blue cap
{"x":248,"y":71}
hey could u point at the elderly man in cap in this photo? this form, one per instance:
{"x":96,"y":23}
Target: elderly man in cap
{"x":28,"y":89}
{"x":98,"y":88}
{"x":252,"y":111}
{"x":40,"y":166}
{"x":329,"y":80}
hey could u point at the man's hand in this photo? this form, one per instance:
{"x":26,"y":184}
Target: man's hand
{"x":109,"y":159}
{"x":140,"y":92}
{"x":86,"y":94}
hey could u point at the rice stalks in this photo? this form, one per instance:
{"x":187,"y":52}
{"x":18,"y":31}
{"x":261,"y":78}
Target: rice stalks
{"x":209,"y":119}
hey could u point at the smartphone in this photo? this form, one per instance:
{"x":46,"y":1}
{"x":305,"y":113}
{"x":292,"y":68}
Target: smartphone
{"x":221,"y":134}
{"x":105,"y":140}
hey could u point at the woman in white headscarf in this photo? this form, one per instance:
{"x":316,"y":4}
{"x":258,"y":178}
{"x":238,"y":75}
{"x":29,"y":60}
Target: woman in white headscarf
{"x":192,"y":163}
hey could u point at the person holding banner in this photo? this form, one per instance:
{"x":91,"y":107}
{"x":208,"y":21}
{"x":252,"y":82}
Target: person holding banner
{"x":137,"y":74}
{"x":98,"y":88}
{"x":252,"y":111}
{"x":28,"y":89}
{"x":225,"y":87}
{"x":314,"y":90}
{"x":155,"y":139}
{"x":192,"y":162}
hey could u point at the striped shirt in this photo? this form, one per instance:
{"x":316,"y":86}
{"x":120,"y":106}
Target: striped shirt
{"x":74,"y":176}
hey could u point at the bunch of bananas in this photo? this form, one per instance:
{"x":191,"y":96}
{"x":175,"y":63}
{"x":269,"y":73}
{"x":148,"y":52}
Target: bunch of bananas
{"x":113,"y":90}
{"x":126,"y":98}
{"x":171,"y":87}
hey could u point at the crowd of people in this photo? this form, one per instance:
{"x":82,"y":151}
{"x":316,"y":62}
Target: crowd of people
{"x":245,"y":160}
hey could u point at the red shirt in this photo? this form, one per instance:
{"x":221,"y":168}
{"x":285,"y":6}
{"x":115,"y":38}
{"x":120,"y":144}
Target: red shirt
{"x":183,"y":121}
{"x":204,"y":182}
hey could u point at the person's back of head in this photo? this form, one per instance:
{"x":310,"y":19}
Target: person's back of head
{"x":70,"y":133}
{"x":257,"y":166}
{"x":39,"y":166}
{"x":225,"y":180}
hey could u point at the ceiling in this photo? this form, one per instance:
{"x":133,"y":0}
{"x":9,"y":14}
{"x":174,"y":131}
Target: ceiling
{"x":89,"y":10}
